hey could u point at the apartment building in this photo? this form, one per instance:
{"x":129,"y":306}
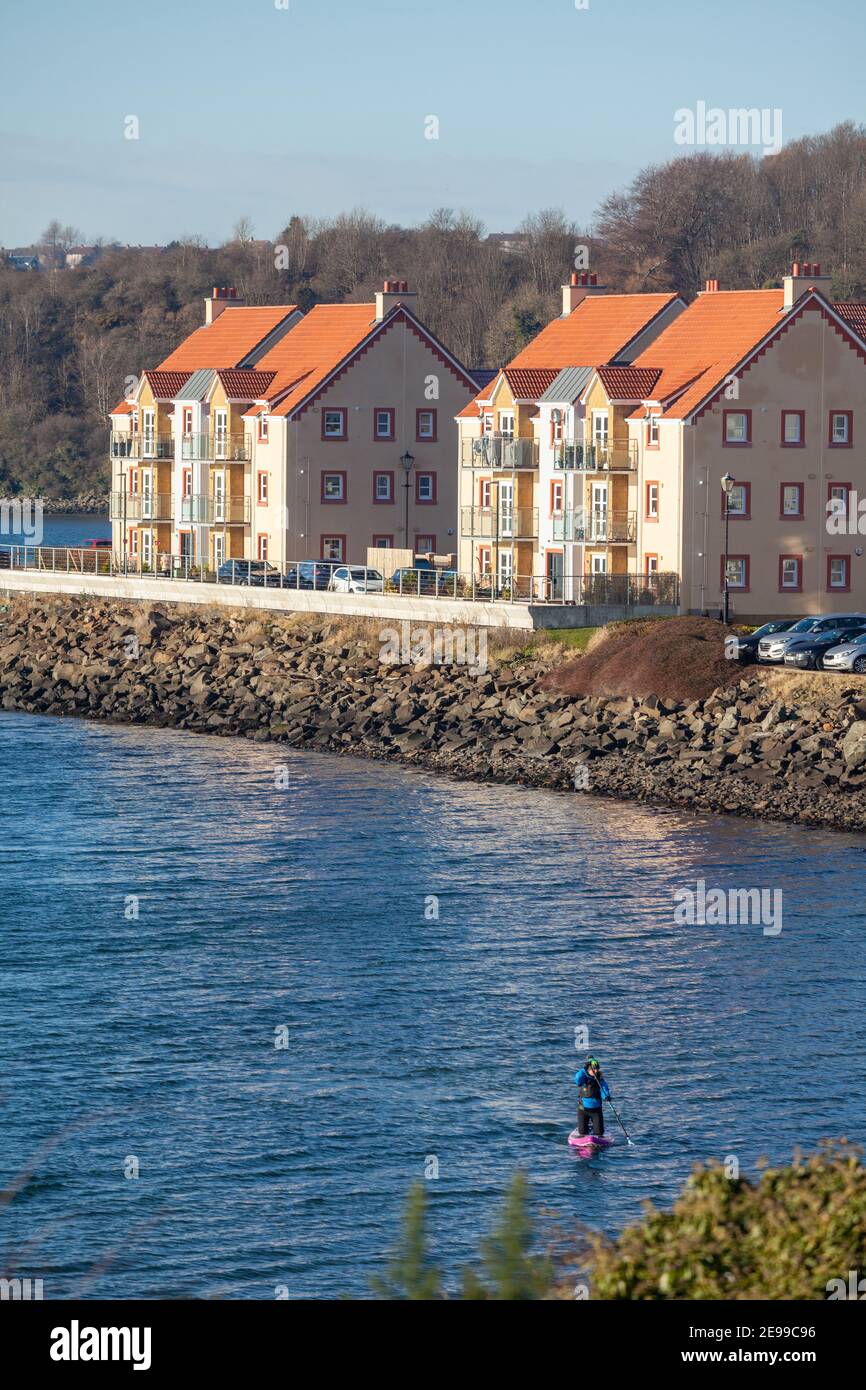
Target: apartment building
{"x":274,"y":435}
{"x":523,"y":484}
{"x":765,"y":389}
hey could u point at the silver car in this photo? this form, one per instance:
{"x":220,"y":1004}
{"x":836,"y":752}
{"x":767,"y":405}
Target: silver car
{"x":850,"y":656}
{"x":773,"y":649}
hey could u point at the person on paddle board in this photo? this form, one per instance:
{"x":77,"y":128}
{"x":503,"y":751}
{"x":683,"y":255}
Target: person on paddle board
{"x":592,"y":1089}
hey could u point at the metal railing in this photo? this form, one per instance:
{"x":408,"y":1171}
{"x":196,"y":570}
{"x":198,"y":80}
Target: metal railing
{"x":140,"y":506}
{"x":620,"y":590}
{"x":597,"y":458}
{"x":141,"y":446}
{"x":209,"y":510}
{"x":594,"y":527}
{"x":498,"y":453}
{"x":502,"y":523}
{"x":218,"y":447}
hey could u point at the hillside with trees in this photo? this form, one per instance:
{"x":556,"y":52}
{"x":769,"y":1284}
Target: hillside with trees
{"x":70,"y":337}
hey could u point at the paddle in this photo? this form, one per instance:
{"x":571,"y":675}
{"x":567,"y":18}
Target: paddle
{"x":619,"y":1122}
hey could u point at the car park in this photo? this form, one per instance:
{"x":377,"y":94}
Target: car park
{"x":849,"y":656}
{"x":809,"y":652}
{"x":310,"y":574}
{"x":423,"y":579}
{"x":744,"y":647}
{"x":257,"y":573}
{"x":772,"y":649}
{"x":357,"y":579}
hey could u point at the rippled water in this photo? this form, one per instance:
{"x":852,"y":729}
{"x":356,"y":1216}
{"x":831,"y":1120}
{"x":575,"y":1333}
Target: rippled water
{"x":304,"y":907}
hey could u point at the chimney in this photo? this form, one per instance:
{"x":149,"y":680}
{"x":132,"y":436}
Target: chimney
{"x":711,"y":287}
{"x":581,"y":284}
{"x":804,"y":274}
{"x":221,"y":298}
{"x":393,"y":292}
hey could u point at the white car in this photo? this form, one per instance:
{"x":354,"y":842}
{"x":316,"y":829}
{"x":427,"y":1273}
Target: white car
{"x":850,"y":656}
{"x":355,"y":579}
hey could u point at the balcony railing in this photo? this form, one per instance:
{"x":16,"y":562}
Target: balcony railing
{"x":597,"y":458}
{"x":504,"y":524}
{"x":141,"y":446}
{"x":229,"y":448}
{"x":499,"y":452}
{"x":139,"y":506}
{"x":207,"y":510}
{"x":596,"y":527}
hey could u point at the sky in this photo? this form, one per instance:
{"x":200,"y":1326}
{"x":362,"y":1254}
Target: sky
{"x":269,"y":108}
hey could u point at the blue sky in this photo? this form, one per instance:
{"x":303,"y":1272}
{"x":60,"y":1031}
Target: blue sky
{"x":246,"y":108}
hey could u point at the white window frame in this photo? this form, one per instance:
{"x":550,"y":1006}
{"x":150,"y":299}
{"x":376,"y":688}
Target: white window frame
{"x":343,"y":419}
{"x":789,"y":561}
{"x":341,"y":496}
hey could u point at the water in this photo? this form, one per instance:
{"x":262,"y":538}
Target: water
{"x":74,"y":529}
{"x":304,"y":907}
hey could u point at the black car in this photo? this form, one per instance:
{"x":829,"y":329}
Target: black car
{"x":257,"y":573}
{"x":745,"y":647}
{"x":310,"y":574}
{"x":807,"y":653}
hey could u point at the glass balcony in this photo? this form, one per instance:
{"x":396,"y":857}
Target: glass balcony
{"x":597,"y":458}
{"x":207,"y":510}
{"x":499,"y":453}
{"x":228,"y":448}
{"x":594,"y":527}
{"x":141,"y":446}
{"x":504,"y":524}
{"x":138,"y":507}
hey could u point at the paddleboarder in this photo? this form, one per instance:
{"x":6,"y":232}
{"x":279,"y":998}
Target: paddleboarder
{"x":592,"y":1090}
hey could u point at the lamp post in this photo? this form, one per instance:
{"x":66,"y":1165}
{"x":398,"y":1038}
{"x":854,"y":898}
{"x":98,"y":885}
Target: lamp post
{"x":408,"y":462}
{"x":727,"y":487}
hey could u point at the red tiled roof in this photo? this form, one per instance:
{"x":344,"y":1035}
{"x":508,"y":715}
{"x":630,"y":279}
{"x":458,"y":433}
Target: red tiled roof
{"x":315,"y":347}
{"x":229,"y":339}
{"x":166,"y":385}
{"x":704,"y":345}
{"x":854,"y":313}
{"x":628,"y":383}
{"x":472,"y":411}
{"x":246,"y":385}
{"x":122,"y":408}
{"x":528,"y":383}
{"x":594,"y":333}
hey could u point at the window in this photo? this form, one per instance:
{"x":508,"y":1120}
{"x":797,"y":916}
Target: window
{"x":838,"y":500}
{"x":133,"y":542}
{"x":264,"y":424}
{"x":651,"y":563}
{"x":332,"y":547}
{"x":187,"y":421}
{"x":739,"y":502}
{"x":556,"y":427}
{"x":488,"y":424}
{"x":263,"y":487}
{"x":838,"y":573}
{"x":426,"y":426}
{"x":791,"y":500}
{"x":793,"y":429}
{"x":383,"y":424}
{"x":506,"y":423}
{"x":263,"y":547}
{"x":384,"y":542}
{"x":841,"y":429}
{"x":334,"y":424}
{"x":738,"y":571}
{"x":652,"y":432}
{"x":485,"y":488}
{"x":737,"y":429}
{"x":651,"y":510}
{"x":791,"y":573}
{"x":556,"y":496}
{"x":425,"y":545}
{"x":333,"y":487}
{"x":133,"y":481}
{"x":187,"y":482}
{"x":383,"y":487}
{"x":484,"y":566}
{"x":425,"y":487}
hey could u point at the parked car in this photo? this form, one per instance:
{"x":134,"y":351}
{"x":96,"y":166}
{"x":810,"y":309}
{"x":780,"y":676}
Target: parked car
{"x":808,"y":652}
{"x":100,"y":543}
{"x":745,"y":646}
{"x":310,"y":574}
{"x":257,"y":573}
{"x":357,"y":579}
{"x":850,"y":656}
{"x":423,"y":578}
{"x":772,"y":649}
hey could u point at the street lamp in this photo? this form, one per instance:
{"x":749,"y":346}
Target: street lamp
{"x":727,"y":487}
{"x":408,"y":461}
